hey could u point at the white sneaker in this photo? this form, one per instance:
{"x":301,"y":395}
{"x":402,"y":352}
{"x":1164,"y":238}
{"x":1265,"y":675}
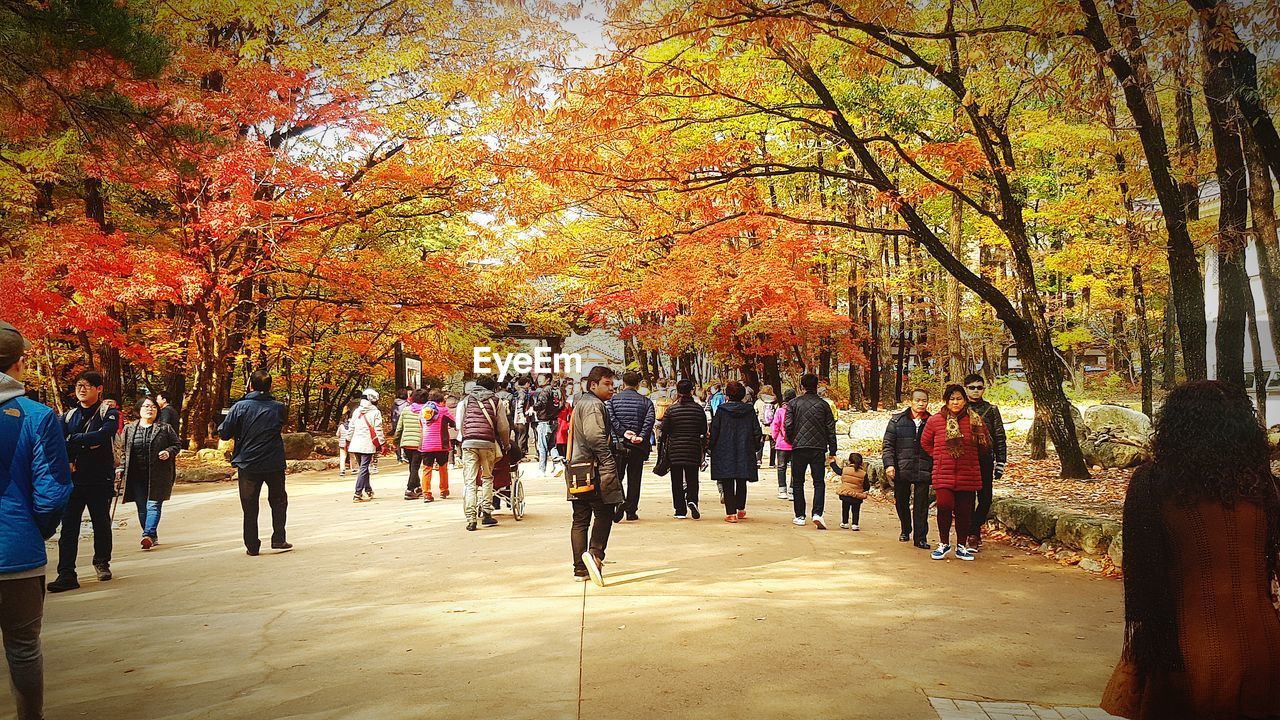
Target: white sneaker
{"x":940,"y":552}
{"x":782,"y":494}
{"x":799,"y":521}
{"x":791,"y":495}
{"x":593,"y":568}
{"x":853,"y":527}
{"x":963,"y":553}
{"x":680,"y":517}
{"x":817,"y":520}
{"x":844,"y":526}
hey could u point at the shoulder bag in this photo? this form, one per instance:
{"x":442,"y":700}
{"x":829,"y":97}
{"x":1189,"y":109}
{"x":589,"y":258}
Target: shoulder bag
{"x":580,"y":477}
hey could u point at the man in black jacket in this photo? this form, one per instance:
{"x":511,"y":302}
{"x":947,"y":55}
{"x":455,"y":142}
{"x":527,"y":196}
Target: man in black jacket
{"x":168,"y":414}
{"x":631,"y":417}
{"x":993,"y":464}
{"x":546,"y":408}
{"x":255,"y":424}
{"x":909,"y":468}
{"x":810,"y":427}
{"x":90,"y":428}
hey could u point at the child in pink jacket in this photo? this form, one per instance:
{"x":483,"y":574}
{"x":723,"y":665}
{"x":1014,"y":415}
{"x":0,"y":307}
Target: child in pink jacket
{"x":781,"y":445}
{"x":436,"y":421}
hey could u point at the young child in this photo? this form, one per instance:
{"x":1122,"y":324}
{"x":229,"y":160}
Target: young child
{"x":344,"y":440}
{"x":852,"y":491}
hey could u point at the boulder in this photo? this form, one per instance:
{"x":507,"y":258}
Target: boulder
{"x":1115,"y":550}
{"x":1090,"y":564}
{"x":1083,"y":532}
{"x":205,"y":473}
{"x":1019,"y":388}
{"x":297,"y":466}
{"x":298,"y":446}
{"x":868,"y":429}
{"x":1038,"y":520}
{"x":227,"y":448}
{"x":210,"y":455}
{"x":876,"y":476}
{"x":1117,"y":418}
{"x":188,"y":454}
{"x":327,"y":445}
{"x":1109,"y":454}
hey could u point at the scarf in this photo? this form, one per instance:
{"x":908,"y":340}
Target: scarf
{"x":955,"y":438}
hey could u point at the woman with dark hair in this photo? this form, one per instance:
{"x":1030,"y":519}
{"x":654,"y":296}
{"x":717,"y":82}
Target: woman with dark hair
{"x":684,"y":433}
{"x":1201,"y":536}
{"x":735,"y":438}
{"x":148,"y":466}
{"x":956,"y":438}
{"x":777,"y":430}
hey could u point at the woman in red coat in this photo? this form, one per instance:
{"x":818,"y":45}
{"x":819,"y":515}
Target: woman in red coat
{"x":955,"y":438}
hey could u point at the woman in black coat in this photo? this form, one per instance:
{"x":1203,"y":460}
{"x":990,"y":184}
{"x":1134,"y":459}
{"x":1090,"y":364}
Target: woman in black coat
{"x":148,"y":466}
{"x":684,"y":439}
{"x":735,"y":440}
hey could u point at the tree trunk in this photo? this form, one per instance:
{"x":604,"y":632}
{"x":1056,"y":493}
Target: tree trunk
{"x":955,"y":349}
{"x":1232,"y":218}
{"x":873,"y":354}
{"x":1255,"y":347}
{"x":1262,"y":209}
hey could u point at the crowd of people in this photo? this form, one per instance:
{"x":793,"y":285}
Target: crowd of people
{"x":1201,"y":537}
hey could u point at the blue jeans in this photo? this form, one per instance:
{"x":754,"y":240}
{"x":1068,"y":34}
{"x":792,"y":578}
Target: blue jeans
{"x":149,"y":516}
{"x":362,"y":478}
{"x":546,"y":445}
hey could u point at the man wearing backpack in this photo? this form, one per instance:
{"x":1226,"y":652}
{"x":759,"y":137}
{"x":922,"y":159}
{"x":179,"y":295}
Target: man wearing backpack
{"x":90,"y":429}
{"x":35,"y":484}
{"x":546,"y":409}
{"x":486,"y":434}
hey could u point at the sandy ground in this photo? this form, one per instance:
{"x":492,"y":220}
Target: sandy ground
{"x":390,"y":609}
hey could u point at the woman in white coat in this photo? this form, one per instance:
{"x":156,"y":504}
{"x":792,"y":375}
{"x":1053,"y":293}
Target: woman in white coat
{"x":367,"y":441}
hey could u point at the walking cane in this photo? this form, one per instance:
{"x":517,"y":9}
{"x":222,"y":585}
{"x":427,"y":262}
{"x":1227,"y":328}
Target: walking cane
{"x":115,"y":498}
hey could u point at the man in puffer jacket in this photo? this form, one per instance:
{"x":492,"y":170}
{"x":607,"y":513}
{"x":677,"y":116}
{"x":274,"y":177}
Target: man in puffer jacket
{"x":484,"y":422}
{"x":408,"y":437}
{"x":992,"y":465}
{"x":35,"y":485}
{"x":811,"y":428}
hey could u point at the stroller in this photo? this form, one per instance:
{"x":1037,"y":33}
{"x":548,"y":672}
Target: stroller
{"x":507,"y":485}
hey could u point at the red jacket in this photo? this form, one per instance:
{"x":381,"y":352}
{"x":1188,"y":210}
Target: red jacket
{"x":562,"y":430}
{"x":950,"y":473}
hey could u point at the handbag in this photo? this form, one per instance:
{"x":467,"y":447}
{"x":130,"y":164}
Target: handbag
{"x":373,"y":435}
{"x":663,"y":464}
{"x":579,"y":477}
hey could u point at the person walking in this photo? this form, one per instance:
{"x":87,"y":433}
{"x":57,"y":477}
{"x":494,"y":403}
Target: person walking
{"x":992,"y":465}
{"x":90,"y":428}
{"x":148,"y":466}
{"x":344,"y":441}
{"x":561,"y":426}
{"x":766,"y":406}
{"x":685,"y":432}
{"x":367,"y":442}
{"x":397,"y":407}
{"x":455,"y":445}
{"x":546,"y":409}
{"x":437,"y":423}
{"x":408,"y":437}
{"x":956,"y":438}
{"x":168,"y":414}
{"x":1201,"y":538}
{"x":486,"y":435}
{"x":523,"y":413}
{"x":631,"y":416}
{"x":734,"y":442}
{"x":662,"y":399}
{"x":852,"y":490}
{"x":909,"y":468}
{"x":255,"y":423}
{"x":35,"y":487}
{"x":810,"y":428}
{"x":593,"y":511}
{"x":777,"y":431}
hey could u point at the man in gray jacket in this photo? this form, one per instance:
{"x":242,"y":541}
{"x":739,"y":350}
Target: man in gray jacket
{"x":589,"y":429}
{"x":485,"y":431}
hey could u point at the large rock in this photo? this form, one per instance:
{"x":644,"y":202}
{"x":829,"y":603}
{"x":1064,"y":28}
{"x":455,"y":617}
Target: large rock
{"x":1038,"y":520}
{"x":1084,"y":532}
{"x":327,"y":445}
{"x":876,"y":476}
{"x":1130,"y":423}
{"x":298,"y":446}
{"x":1115,"y":550}
{"x":297,"y":466}
{"x":868,"y":429}
{"x":227,"y":448}
{"x":205,"y":473}
{"x":210,"y":455}
{"x":1110,"y":454}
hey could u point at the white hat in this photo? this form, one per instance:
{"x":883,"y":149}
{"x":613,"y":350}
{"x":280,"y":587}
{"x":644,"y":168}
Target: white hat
{"x":371,"y":395}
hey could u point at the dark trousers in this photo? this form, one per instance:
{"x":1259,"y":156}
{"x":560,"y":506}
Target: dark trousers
{"x":250,"y":490}
{"x":415,"y":467}
{"x":983,"y":510}
{"x":21,"y":614}
{"x":912,"y":514}
{"x":584,"y":510}
{"x":784,"y":459}
{"x":631,"y":471}
{"x":522,"y":439}
{"x":97,"y":500}
{"x":366,"y":461}
{"x":735,"y":495}
{"x":684,"y":487}
{"x":957,"y":505}
{"x":815,"y":462}
{"x":850,"y":510}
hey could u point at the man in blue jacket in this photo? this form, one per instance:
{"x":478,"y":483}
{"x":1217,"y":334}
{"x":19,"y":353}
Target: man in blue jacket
{"x":255,"y":424}
{"x":631,"y":421}
{"x":35,"y":484}
{"x":90,"y":428}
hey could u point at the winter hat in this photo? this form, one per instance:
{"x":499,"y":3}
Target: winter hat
{"x":371,"y":395}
